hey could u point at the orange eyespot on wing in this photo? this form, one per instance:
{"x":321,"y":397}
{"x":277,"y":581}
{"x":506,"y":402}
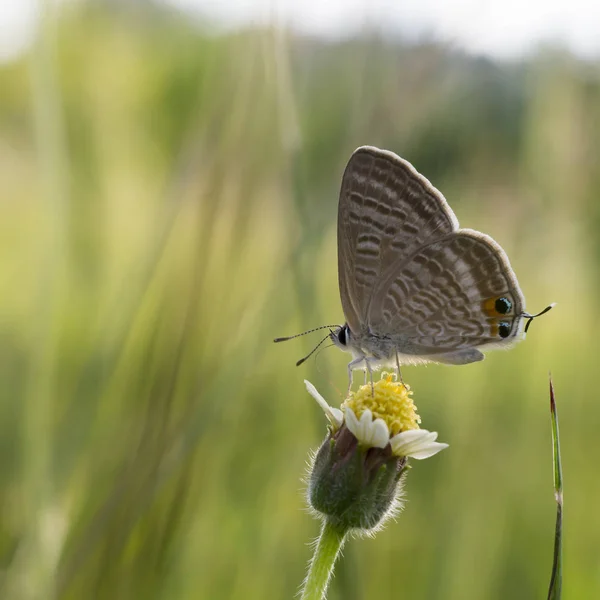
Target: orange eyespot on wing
{"x":500,"y":305}
{"x":489,"y":307}
{"x":500,"y":313}
{"x":500,"y":327}
{"x":494,"y":329}
{"x":504,"y":329}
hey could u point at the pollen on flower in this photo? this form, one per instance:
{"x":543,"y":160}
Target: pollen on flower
{"x":389,"y":400}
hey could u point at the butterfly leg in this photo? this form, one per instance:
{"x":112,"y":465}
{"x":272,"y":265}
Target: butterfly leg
{"x":398,"y":368}
{"x":370,"y":370}
{"x":351,"y":366}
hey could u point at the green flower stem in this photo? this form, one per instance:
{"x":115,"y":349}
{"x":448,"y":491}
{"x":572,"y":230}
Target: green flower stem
{"x":328,"y":547}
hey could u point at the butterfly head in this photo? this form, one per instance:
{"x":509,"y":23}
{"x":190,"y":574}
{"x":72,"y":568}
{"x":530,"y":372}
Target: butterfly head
{"x":341,"y":337}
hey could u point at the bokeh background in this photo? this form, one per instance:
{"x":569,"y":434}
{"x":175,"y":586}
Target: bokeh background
{"x":168,"y":197}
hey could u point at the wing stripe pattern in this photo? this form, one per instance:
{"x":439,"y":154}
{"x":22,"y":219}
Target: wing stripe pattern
{"x":387,"y":211}
{"x":437,"y":300}
{"x":408,"y":275}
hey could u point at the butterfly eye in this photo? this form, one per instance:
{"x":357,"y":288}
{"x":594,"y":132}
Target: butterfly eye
{"x":504,"y":329}
{"x":503,"y":306}
{"x":342,"y":336}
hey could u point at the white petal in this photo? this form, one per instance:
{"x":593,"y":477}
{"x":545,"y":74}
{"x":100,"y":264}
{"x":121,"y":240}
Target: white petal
{"x":407,"y":439}
{"x":335,"y":416}
{"x":365,"y":427}
{"x":380,"y":434}
{"x":351,"y":420}
{"x":374,"y":434}
{"x":366,"y":418}
{"x":416,"y":443}
{"x":427,"y":451}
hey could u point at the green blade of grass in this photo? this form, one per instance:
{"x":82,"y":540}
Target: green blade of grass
{"x":554,"y":593}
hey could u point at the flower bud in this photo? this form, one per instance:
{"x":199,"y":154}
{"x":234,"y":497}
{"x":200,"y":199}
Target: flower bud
{"x":355,"y":487}
{"x":356,"y":474}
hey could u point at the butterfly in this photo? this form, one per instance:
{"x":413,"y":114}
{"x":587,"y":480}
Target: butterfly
{"x":414,"y":286}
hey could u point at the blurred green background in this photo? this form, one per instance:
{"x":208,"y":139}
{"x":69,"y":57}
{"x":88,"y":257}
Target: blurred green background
{"x":168,"y":204}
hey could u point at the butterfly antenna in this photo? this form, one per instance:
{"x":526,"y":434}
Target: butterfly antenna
{"x":312,"y":351}
{"x":291,"y":337}
{"x":532,"y":317}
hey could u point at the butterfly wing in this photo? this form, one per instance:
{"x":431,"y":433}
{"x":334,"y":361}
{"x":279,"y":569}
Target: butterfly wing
{"x":455,"y":293}
{"x":387,"y":212}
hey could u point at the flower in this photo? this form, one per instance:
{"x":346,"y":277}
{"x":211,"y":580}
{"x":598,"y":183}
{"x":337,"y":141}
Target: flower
{"x":356,"y":474}
{"x":381,"y":415}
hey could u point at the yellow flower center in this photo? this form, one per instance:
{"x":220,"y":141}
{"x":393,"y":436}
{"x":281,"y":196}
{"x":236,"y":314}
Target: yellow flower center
{"x":388,"y":400}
